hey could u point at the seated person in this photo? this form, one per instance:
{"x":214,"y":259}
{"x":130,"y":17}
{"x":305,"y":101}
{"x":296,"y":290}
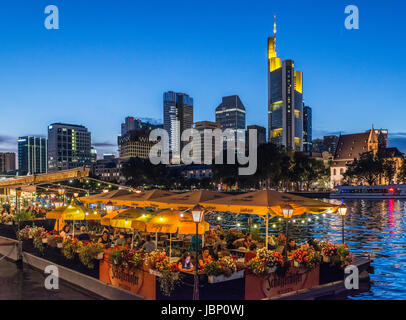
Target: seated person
{"x":105,"y":239}
{"x":65,"y":231}
{"x":83,"y":236}
{"x":220,"y":244}
{"x":185,"y":263}
{"x":292,"y":245}
{"x":129,"y":242}
{"x":205,"y":258}
{"x":250,"y":254}
{"x":222,"y":254}
{"x":149,"y":245}
{"x":121,"y":239}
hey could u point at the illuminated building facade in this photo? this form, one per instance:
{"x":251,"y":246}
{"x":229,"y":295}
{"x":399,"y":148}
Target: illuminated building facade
{"x":69,"y":147}
{"x":307,"y":129}
{"x":32,"y":155}
{"x":178,"y":116}
{"x":206,"y":145}
{"x":7,"y":162}
{"x":285,"y":100}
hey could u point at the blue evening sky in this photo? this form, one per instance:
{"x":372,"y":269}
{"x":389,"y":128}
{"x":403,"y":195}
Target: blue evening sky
{"x":113,"y":58}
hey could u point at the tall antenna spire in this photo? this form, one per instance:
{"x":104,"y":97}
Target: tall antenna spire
{"x":274,"y":26}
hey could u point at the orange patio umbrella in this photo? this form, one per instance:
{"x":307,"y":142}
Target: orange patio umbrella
{"x":188,"y":200}
{"x":268,"y":202}
{"x":131,"y":219}
{"x":105,"y":197}
{"x":142,"y":198}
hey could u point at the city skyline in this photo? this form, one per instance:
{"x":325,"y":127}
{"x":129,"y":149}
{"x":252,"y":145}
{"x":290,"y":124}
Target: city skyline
{"x":52,"y":76}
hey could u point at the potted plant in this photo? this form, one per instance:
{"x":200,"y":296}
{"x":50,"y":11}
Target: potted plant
{"x":24,"y":234}
{"x":306,"y":257}
{"x":88,"y":252}
{"x":281,"y":243}
{"x":223,"y":270}
{"x":329,"y":252}
{"x":70,"y":247}
{"x":344,"y":256}
{"x":273,"y":259}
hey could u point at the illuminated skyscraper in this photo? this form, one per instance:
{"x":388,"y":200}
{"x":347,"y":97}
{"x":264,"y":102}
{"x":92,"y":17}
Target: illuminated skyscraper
{"x":69,"y":147}
{"x":285,"y":100}
{"x":307,"y":129}
{"x":178,"y":116}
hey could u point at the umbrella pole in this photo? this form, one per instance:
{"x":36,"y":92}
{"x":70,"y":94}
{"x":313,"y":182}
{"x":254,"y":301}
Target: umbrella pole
{"x":170,"y":245}
{"x":267,"y":227}
{"x":156,"y":239}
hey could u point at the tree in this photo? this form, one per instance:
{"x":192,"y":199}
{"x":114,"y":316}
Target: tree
{"x":366,"y":169}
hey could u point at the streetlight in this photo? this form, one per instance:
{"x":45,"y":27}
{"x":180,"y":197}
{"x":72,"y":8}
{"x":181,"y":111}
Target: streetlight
{"x":197,"y":213}
{"x":342,"y":211}
{"x":18,"y":195}
{"x":287,"y":212}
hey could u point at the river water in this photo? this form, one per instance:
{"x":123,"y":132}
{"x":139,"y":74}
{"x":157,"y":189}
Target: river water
{"x":374,"y":228}
{"x":29,"y":285}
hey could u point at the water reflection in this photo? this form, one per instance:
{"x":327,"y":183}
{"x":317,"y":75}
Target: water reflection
{"x":29,"y":285}
{"x":372,"y":228}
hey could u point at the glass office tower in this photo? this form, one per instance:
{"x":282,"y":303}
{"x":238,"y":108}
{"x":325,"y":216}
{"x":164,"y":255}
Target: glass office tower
{"x":32,"y":155}
{"x":285,"y":100}
{"x":178,"y":116}
{"x":307,"y":129}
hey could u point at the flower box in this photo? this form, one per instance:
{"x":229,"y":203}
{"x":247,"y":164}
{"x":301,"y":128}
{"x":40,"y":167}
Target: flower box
{"x":100,"y":256}
{"x":297,"y":264}
{"x":159,"y":274}
{"x":59,"y":245}
{"x":30,"y":237}
{"x":223,"y":278}
{"x":44,"y":240}
{"x":9,"y":223}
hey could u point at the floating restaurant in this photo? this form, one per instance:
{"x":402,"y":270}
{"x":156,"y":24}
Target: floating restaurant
{"x":157,"y":245}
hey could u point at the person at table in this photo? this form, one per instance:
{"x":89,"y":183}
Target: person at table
{"x":220,"y":244}
{"x":205,"y":258}
{"x":243,"y":242}
{"x":121,"y":239}
{"x":65,"y":231}
{"x":83,"y":236}
{"x":149,"y":245}
{"x":129,"y":242}
{"x":290,"y":247}
{"x":195,"y":241}
{"x":185,"y":263}
{"x":250,"y":254}
{"x":105,"y":239}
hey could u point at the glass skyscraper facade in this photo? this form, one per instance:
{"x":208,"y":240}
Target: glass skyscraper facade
{"x":69,"y":147}
{"x":178,"y":116}
{"x":231,"y":113}
{"x":307,"y":129}
{"x":285,"y":100}
{"x":32,"y":155}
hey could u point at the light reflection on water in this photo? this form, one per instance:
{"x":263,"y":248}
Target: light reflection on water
{"x":375,"y":228}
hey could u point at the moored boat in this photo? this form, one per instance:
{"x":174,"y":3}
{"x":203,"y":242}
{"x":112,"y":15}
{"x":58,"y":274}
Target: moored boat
{"x":370,"y":192}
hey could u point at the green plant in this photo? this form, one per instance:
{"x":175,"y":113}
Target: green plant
{"x":69,"y":248}
{"x":213,"y":268}
{"x":88,"y":253}
{"x":24,"y":216}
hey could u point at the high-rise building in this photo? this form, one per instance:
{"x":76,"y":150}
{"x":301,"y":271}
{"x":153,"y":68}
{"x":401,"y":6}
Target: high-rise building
{"x":231,"y":113}
{"x":32,"y":155}
{"x":131,"y":124}
{"x":307,"y":129}
{"x":178,"y":117}
{"x":135,"y":144}
{"x":261,"y":135}
{"x":7,"y":162}
{"x":207,"y":145}
{"x":285,"y":100}
{"x":69,"y":146}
